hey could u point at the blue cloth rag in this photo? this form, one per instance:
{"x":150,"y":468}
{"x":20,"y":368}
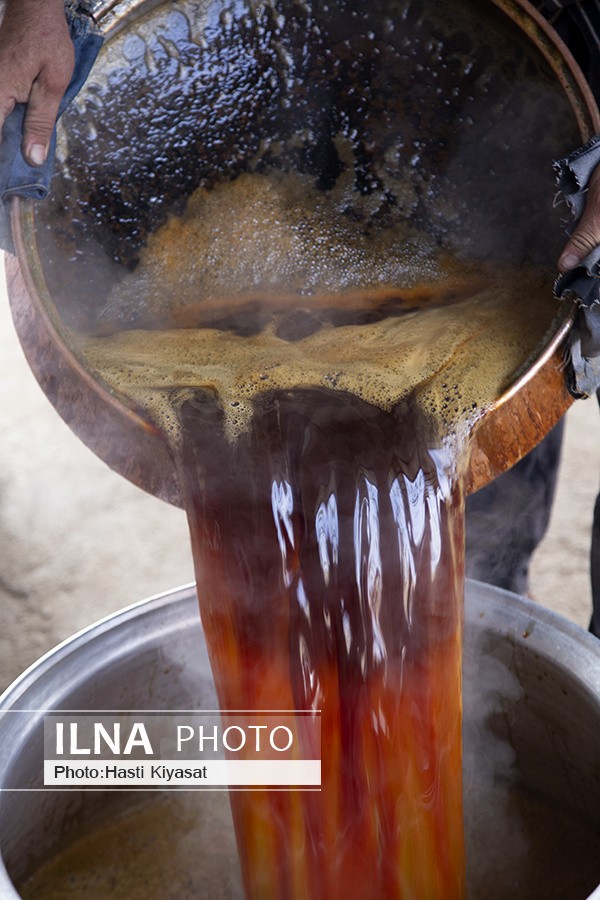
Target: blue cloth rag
{"x":16,"y":175}
{"x":583,"y":281}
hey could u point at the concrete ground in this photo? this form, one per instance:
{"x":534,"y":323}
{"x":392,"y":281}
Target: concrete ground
{"x":78,"y":542}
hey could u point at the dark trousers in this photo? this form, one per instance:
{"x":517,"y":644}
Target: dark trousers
{"x":595,"y":570}
{"x":595,"y":565}
{"x":507,"y":519}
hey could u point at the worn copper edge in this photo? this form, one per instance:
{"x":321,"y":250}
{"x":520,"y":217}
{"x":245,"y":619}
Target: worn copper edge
{"x":23,"y":233}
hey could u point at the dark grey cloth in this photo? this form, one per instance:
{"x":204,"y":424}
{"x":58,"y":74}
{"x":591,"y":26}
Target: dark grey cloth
{"x":578,"y":23}
{"x":583,"y":281}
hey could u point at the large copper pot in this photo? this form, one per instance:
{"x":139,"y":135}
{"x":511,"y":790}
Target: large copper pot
{"x":108,"y":422}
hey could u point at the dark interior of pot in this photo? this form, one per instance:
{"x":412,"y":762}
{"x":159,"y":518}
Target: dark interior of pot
{"x":532,"y":770}
{"x":338,"y":99}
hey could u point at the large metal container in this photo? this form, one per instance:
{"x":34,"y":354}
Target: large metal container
{"x":127,"y":156}
{"x":531,"y":731}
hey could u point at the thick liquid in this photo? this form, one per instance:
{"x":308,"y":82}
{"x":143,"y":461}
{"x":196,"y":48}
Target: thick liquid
{"x":329,"y":546}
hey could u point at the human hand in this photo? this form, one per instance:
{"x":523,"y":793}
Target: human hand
{"x":36,"y":65}
{"x":587,"y":234}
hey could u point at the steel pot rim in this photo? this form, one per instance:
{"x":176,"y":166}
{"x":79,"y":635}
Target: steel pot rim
{"x":514,"y":619}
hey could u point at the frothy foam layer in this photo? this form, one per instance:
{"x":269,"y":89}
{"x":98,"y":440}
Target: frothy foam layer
{"x":280,"y":241}
{"x":266,"y":257}
{"x":460,"y":358}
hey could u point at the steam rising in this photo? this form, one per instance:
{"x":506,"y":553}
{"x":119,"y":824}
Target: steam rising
{"x":497,"y":846}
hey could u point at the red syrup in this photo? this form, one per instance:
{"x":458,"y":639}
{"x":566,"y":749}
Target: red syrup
{"x":328,"y":546}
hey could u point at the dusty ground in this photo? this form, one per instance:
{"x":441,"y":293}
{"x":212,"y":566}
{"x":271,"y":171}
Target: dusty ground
{"x":78,"y":542}
{"x":559,"y":575}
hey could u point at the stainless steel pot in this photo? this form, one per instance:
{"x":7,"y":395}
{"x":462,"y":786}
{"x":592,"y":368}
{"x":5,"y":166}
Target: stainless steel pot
{"x":532,"y":729}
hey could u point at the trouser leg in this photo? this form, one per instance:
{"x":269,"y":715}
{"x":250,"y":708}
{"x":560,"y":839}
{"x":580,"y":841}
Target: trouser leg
{"x":508,"y":518}
{"x":595,"y":565}
{"x":595,"y":570}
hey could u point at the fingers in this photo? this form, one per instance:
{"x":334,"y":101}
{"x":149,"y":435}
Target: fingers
{"x":14,"y":85}
{"x":42,"y":110}
{"x":7,"y":104}
{"x":36,"y":64}
{"x":587,"y":234}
